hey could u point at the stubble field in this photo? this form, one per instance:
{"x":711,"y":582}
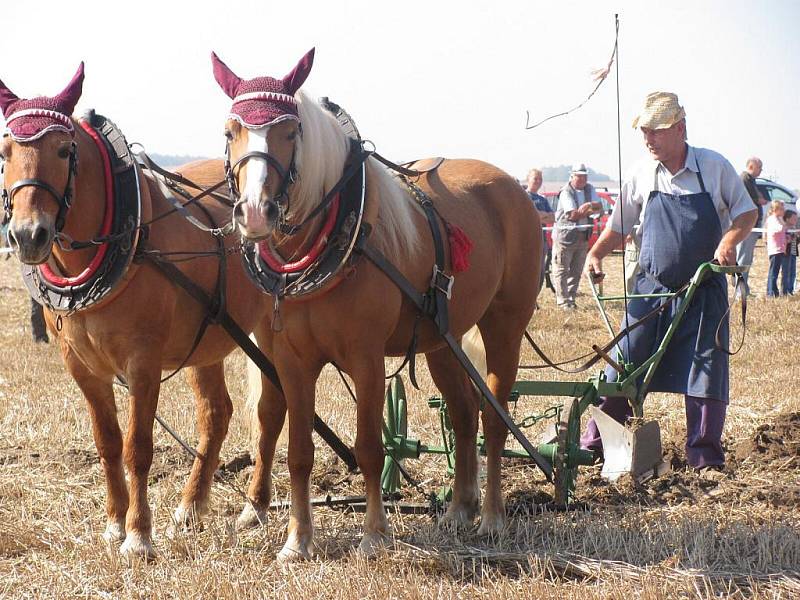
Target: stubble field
{"x":681,"y":535}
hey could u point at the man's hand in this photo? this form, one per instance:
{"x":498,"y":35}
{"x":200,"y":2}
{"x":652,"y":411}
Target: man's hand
{"x":593,"y":267}
{"x":725,"y":254}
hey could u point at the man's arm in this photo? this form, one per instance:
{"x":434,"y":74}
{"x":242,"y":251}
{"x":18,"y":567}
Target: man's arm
{"x":739,"y":230}
{"x":608,"y":240}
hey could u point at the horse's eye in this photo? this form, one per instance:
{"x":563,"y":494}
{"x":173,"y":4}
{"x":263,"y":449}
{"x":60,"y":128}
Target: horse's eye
{"x":63,"y":151}
{"x":228,"y":134}
{"x":292,"y":136}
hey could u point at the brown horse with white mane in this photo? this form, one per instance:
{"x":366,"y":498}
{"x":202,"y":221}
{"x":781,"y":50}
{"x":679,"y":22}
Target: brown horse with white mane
{"x":114,"y":316}
{"x":287,"y":157}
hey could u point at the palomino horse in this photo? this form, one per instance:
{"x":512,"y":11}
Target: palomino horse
{"x":144,"y":324}
{"x":286,"y":153}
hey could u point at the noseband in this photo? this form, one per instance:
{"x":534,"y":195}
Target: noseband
{"x":64,"y":200}
{"x":288,"y":177}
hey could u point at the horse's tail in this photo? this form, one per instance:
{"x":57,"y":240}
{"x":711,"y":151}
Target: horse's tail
{"x":472,"y":344}
{"x":253,"y":397}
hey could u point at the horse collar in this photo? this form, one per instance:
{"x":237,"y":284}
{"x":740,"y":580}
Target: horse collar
{"x":119,"y":232}
{"x":332,"y":250}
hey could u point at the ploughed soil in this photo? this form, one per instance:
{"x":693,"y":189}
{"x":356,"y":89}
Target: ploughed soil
{"x":763,"y":467}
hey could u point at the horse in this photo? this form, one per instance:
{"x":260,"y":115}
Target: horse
{"x":286,"y":153}
{"x":143,"y":324}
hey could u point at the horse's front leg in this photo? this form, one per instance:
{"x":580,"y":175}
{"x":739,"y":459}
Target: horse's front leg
{"x":143,"y":376}
{"x":368,"y":378}
{"x":299,"y":390}
{"x":214,"y":410}
{"x":99,"y":394}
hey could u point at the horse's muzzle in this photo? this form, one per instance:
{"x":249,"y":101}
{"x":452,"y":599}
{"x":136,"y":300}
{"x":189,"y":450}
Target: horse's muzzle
{"x":31,"y":241}
{"x":255,"y":222}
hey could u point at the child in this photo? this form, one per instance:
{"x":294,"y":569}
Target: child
{"x":790,"y":268}
{"x":776,"y":246}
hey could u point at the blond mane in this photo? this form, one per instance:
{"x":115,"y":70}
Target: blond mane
{"x":322,"y":152}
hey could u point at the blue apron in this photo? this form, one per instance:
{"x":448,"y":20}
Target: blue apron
{"x":679,"y":232}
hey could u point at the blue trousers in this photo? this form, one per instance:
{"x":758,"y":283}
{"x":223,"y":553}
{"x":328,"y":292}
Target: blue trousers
{"x":776,"y":265}
{"x":789,"y":275}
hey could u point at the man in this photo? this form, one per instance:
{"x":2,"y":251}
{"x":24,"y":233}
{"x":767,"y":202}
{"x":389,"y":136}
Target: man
{"x":576,"y":202}
{"x":545,"y":216}
{"x":744,"y":251}
{"x":690,"y":207}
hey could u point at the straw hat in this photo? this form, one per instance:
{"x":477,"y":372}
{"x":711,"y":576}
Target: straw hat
{"x":661,"y":110}
{"x":579,"y":169}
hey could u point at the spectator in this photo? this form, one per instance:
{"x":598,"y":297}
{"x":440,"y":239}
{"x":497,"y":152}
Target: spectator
{"x":690,"y":207}
{"x":790,"y":266}
{"x":776,"y":246}
{"x":576,"y":202}
{"x":545,"y":216}
{"x":744,"y":250}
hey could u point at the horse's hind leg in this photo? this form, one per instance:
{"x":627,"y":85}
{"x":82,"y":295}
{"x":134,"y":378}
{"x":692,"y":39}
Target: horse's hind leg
{"x":462,"y":406}
{"x":270,"y":414}
{"x":214,"y":410}
{"x":502,"y":334}
{"x":99,"y":394}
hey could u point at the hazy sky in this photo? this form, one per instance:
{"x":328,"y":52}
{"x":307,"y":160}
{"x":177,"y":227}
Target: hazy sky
{"x":433,"y":78}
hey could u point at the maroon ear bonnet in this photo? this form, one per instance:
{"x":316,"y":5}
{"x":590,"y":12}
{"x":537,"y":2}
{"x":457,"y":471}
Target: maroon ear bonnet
{"x":30,"y":119}
{"x":263,"y":100}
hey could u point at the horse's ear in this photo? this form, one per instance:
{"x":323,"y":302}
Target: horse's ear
{"x":70,"y":95}
{"x":7,"y":97}
{"x":298,"y":75}
{"x":226,"y":78}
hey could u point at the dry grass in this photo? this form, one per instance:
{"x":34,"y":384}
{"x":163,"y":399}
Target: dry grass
{"x":679,"y":536}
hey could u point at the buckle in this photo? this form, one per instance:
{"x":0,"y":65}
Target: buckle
{"x":442,"y":282}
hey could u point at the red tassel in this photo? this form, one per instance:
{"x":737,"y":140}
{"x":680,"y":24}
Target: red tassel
{"x":460,"y":247}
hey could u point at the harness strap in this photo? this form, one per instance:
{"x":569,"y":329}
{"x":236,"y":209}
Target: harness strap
{"x":148,"y":164}
{"x":404,"y":170}
{"x":224,"y":320}
{"x":379,"y":260}
{"x":178,"y":178}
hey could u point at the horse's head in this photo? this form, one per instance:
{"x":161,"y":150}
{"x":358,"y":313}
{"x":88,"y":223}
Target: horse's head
{"x":39,"y":162}
{"x":263,"y":131}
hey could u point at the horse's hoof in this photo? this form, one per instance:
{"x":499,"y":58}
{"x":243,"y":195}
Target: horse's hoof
{"x":457,"y":518}
{"x":251,"y":517}
{"x":372,"y":543}
{"x":291,"y":553}
{"x":184,"y":520}
{"x":137,"y":546}
{"x":115,"y":532}
{"x":491,"y":525}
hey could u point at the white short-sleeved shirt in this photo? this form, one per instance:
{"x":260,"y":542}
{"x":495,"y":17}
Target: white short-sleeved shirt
{"x":719,"y":177}
{"x":566,"y":204}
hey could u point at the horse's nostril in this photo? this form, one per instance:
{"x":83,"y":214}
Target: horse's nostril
{"x":270,"y":211}
{"x":40,"y":237}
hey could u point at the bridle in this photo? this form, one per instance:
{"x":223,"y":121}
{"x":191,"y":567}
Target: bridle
{"x":287,"y":175}
{"x":64,"y":200}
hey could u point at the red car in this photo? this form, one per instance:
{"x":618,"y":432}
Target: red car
{"x":598,"y":221}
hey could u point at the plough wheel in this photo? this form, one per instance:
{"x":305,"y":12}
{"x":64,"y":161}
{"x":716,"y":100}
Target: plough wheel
{"x":395,"y":428}
{"x":565,"y":469}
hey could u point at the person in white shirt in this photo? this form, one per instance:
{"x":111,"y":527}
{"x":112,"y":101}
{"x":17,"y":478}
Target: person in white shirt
{"x":686,"y":207}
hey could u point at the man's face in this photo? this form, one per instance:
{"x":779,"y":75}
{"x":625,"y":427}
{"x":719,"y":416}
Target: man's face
{"x":578,"y":181}
{"x":665,"y":144}
{"x":754,"y":167}
{"x":534,"y":182}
